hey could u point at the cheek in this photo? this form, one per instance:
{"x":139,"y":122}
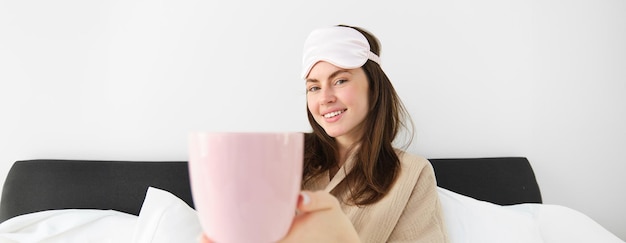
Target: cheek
{"x":310,"y":105}
{"x":353,"y":97}
{"x":358,"y":100}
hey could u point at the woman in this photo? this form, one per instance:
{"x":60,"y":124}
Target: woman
{"x":358,"y":188}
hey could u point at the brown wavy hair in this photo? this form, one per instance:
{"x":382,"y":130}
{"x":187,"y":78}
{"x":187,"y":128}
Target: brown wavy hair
{"x":376,"y":164}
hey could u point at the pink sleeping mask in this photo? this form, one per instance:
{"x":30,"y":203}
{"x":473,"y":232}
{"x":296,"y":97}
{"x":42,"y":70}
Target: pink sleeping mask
{"x":343,"y":47}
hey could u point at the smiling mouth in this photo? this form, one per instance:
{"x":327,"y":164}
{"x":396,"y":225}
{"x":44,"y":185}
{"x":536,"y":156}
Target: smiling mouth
{"x":334,"y":113}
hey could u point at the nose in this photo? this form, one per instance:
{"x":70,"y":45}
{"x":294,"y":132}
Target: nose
{"x":328,"y":96}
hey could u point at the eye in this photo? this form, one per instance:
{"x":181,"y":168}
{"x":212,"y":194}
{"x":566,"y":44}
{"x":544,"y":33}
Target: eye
{"x":313,"y":89}
{"x":340,"y":81}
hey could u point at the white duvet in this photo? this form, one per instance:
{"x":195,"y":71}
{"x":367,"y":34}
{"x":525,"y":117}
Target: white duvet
{"x":166,"y":218}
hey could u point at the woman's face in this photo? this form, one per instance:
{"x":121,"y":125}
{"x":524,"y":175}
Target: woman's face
{"x":338,"y":100}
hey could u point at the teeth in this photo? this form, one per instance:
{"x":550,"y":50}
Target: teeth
{"x":333,"y":114}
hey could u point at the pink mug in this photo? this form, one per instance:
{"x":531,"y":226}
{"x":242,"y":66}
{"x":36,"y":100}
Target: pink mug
{"x":245,"y":186}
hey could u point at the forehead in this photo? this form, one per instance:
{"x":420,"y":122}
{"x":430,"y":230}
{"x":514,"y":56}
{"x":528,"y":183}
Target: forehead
{"x":323,"y":65}
{"x":323,"y":70}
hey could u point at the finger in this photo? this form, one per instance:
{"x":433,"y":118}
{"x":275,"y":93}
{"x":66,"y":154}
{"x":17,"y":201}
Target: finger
{"x":203,"y":239}
{"x":316,"y":201}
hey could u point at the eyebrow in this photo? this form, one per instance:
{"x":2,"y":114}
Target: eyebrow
{"x":331,"y":76}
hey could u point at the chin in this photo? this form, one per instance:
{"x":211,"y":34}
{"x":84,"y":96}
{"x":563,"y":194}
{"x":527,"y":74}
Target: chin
{"x":333,"y":133}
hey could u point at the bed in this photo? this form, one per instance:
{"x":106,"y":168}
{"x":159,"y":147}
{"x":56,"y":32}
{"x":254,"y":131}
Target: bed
{"x":484,"y":200}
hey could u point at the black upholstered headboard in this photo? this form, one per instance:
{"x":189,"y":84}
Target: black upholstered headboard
{"x":37,"y":185}
{"x":501,"y":180}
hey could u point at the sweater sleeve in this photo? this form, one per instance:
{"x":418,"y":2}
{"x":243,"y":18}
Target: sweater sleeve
{"x":422,"y":218}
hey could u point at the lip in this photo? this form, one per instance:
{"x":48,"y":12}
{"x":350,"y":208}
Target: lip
{"x":334,"y":118}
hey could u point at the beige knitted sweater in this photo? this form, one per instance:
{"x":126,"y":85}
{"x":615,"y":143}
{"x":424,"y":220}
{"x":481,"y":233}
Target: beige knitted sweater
{"x":411,"y":212}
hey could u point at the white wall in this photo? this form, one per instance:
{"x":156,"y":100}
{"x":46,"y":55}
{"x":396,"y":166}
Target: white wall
{"x":129,"y":79}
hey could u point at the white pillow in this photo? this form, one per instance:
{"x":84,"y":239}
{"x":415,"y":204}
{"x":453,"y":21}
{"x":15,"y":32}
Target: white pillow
{"x":68,"y":226}
{"x":562,"y":224}
{"x":166,"y":218}
{"x":472,"y":221}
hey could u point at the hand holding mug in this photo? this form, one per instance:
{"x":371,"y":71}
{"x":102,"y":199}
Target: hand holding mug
{"x":319,"y":219}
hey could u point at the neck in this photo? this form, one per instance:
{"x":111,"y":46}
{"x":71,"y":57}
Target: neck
{"x":343,"y":147}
